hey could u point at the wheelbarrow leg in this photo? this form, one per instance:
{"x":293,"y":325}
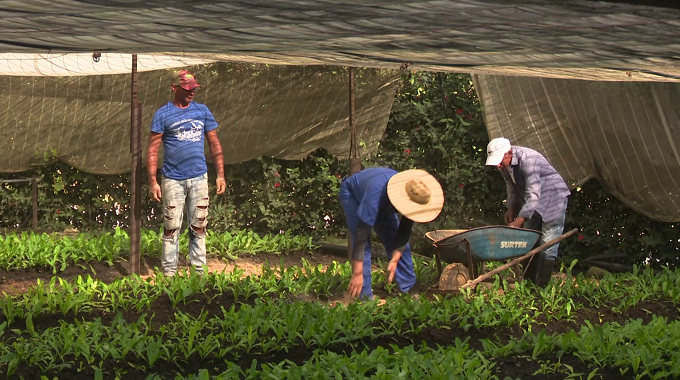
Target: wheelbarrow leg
{"x":471,"y":265}
{"x":439,"y":259}
{"x":519,"y":274}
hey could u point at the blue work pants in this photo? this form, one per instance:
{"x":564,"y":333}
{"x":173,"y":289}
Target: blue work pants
{"x":549,"y":230}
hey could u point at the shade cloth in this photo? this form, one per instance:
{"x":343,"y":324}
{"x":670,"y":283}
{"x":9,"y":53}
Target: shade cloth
{"x":567,"y":39}
{"x":627,"y":135}
{"x":279,"y":111}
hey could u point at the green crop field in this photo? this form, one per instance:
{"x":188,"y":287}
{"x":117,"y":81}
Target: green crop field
{"x":287,"y":324}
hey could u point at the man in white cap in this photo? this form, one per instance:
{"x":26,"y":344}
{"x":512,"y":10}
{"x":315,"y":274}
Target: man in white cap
{"x":371,"y":200}
{"x":536,"y":199}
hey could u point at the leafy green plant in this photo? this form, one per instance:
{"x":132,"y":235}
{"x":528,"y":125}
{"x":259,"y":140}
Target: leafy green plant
{"x":31,"y":250}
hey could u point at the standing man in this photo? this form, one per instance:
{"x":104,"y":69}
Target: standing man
{"x":537,"y":199}
{"x":181,"y":125}
{"x":371,"y":200}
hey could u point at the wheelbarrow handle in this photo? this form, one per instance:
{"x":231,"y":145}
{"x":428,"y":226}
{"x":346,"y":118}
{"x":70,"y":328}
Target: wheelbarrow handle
{"x":519,"y":259}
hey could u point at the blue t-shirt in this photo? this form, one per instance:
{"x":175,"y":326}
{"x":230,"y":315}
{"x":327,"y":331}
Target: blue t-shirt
{"x":369,"y":187}
{"x":183,"y":132}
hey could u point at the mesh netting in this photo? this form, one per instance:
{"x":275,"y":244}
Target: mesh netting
{"x":280,"y":111}
{"x":624,"y":134}
{"x":568,"y":39}
{"x":74,"y":64}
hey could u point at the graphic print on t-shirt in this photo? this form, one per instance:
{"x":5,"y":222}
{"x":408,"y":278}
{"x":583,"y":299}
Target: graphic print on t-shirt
{"x":183,"y":132}
{"x":189,"y":130}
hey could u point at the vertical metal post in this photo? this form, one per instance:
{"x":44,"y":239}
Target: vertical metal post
{"x":135,"y":176}
{"x":34,"y":185}
{"x":354,"y":157}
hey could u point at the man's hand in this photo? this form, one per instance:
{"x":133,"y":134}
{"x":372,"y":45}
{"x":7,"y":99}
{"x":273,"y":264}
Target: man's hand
{"x":392,"y":266}
{"x":221,"y":185}
{"x":357,"y":281}
{"x":355,"y":285}
{"x":155,"y":191}
{"x":517,"y":223}
{"x":509,"y":216}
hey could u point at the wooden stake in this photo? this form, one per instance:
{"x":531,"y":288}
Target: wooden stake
{"x":136,"y":174}
{"x":34,"y":195}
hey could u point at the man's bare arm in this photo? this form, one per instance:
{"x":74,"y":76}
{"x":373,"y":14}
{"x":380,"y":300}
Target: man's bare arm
{"x":218,"y":160}
{"x":155,"y":140}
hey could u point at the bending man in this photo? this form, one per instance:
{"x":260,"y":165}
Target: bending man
{"x":537,"y":199}
{"x":371,"y":200}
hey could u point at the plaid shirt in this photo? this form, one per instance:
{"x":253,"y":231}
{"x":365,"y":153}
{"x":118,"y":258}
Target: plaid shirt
{"x":537,"y":186}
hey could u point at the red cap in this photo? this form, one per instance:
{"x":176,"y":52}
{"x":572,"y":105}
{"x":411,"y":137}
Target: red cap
{"x":184,"y":79}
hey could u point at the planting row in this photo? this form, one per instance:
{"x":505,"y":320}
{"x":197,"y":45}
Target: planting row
{"x":350,"y":342}
{"x":501,"y":305}
{"x":56,"y":252}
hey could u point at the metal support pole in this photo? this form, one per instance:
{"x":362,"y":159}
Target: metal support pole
{"x":136,"y":175}
{"x":354,"y":157}
{"x":34,"y":192}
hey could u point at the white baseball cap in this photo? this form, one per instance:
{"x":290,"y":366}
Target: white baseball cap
{"x":496,"y":149}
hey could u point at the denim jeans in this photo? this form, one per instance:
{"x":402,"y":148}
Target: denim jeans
{"x":180,"y":195}
{"x":549,"y":230}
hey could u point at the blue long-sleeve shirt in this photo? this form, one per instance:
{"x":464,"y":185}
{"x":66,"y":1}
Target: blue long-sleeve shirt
{"x":537,"y":186}
{"x":369,"y":188}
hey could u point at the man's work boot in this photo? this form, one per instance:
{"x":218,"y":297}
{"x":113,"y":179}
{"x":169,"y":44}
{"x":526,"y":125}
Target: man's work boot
{"x":545,"y":272}
{"x":534,"y":270}
{"x":414,"y":292}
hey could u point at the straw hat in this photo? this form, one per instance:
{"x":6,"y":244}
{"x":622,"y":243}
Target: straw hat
{"x":416,"y":194}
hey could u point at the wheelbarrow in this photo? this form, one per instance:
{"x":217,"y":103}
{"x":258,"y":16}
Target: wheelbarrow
{"x":479,"y":245}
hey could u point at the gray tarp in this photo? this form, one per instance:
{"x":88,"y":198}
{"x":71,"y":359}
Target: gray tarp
{"x":624,"y":134}
{"x":568,"y":38}
{"x":280,"y":111}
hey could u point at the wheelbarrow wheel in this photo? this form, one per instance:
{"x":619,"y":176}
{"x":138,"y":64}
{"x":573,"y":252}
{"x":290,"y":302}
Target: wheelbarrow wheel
{"x":453,"y":277}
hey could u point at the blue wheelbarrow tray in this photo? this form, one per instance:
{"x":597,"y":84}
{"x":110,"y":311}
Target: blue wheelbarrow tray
{"x":490,"y":243}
